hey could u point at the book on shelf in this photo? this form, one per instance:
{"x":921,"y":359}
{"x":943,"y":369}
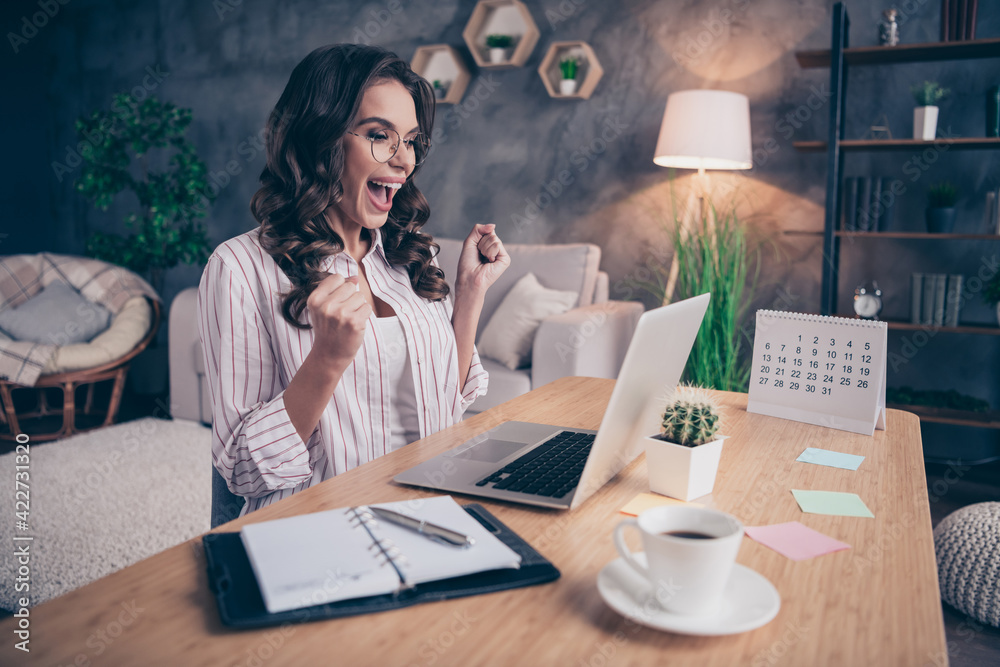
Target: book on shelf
{"x":916,"y":297}
{"x":863,"y":221}
{"x":850,"y":218}
{"x":927,"y":300}
{"x":940,"y":291}
{"x":991,"y":223}
{"x":875,"y":205}
{"x":953,"y":300}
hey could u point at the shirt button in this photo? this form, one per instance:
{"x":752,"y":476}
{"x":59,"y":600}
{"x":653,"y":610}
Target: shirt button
{"x":420,"y":360}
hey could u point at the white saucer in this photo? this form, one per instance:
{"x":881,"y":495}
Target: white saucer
{"x":748,"y":602}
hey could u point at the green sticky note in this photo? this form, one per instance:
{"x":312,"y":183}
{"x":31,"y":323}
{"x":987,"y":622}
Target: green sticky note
{"x":831,"y":502}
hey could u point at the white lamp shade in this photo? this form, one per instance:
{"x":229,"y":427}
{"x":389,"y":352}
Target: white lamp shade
{"x":705,"y":129}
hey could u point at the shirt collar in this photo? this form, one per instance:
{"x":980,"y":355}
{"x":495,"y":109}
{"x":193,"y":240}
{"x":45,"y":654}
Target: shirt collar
{"x":376,"y":237}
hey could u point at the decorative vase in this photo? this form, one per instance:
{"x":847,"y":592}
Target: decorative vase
{"x":941,"y":220}
{"x":888,"y":28}
{"x":925,"y":123}
{"x":682,"y":472}
{"x":498,"y":55}
{"x":567,"y":86}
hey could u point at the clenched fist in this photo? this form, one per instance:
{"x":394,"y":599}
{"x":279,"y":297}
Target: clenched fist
{"x":482,"y":260}
{"x":339,"y":316}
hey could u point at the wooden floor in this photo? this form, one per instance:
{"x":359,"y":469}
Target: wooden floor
{"x":970,"y":643}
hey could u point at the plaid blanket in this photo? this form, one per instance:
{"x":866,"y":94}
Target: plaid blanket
{"x":24,"y":276}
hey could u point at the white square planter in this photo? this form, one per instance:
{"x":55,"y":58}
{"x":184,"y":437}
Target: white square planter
{"x":925,"y":123}
{"x":682,"y":472}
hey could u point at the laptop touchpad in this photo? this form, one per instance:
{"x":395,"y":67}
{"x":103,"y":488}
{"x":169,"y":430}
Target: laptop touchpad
{"x":489,"y":451}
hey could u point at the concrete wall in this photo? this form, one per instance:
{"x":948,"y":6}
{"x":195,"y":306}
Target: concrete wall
{"x":228,"y":60}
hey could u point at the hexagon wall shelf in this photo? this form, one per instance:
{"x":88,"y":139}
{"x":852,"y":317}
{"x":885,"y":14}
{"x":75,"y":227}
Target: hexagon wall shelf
{"x":442,"y":62}
{"x":508,"y":17}
{"x":588,"y":74}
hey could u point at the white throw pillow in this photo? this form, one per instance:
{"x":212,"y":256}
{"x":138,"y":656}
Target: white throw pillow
{"x":508,"y":336}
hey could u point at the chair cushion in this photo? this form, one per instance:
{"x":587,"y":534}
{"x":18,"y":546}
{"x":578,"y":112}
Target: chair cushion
{"x":508,"y":336}
{"x":567,"y":267}
{"x":58,"y":315}
{"x":505,"y":384}
{"x":127,"y":329}
{"x":967,"y":547}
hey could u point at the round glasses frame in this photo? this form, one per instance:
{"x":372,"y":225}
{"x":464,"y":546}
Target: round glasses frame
{"x":385,"y":148}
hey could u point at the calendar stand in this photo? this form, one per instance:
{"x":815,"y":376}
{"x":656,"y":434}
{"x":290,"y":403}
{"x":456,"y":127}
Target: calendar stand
{"x":828,"y":371}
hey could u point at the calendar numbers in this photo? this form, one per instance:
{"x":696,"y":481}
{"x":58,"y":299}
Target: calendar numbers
{"x":839,"y":365}
{"x":827,"y":371}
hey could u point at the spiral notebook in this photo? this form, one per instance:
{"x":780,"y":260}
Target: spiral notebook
{"x":347,"y":553}
{"x":818,"y":369}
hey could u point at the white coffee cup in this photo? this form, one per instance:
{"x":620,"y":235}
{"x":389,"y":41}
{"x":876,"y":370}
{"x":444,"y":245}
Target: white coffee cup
{"x":687,"y":574}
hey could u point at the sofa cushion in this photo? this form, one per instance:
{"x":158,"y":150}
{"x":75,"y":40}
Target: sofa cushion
{"x":565,"y":267}
{"x":505,"y":384}
{"x":58,"y":315}
{"x":510,"y":333}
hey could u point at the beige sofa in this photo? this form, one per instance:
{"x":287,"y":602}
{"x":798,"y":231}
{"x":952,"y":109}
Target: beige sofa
{"x":590,"y":339}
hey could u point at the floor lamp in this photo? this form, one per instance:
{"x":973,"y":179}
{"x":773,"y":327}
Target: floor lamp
{"x":702,"y":129}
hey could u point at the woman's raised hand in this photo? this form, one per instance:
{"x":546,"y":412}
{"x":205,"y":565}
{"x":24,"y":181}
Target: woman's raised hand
{"x":482,"y":261}
{"x":339,"y":316}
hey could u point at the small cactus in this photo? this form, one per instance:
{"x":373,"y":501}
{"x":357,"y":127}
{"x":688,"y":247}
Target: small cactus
{"x":691,"y":418}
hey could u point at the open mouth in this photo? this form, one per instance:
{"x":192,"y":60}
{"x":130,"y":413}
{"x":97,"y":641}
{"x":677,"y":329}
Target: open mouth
{"x":381,"y":193}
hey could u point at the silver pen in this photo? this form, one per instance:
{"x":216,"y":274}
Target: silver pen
{"x":430,"y":530}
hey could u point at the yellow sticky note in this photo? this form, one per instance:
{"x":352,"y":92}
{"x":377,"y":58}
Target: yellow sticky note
{"x":645,"y":501}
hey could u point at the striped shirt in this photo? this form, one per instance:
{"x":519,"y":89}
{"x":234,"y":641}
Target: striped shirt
{"x":252,"y":353}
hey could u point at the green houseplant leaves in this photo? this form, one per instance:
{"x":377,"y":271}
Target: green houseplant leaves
{"x":118,"y":157}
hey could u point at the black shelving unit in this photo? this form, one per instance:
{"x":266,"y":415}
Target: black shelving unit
{"x":839,"y":59}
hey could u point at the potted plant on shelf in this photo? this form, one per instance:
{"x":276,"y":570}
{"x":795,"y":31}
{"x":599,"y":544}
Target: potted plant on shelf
{"x":440,"y":89}
{"x":683,"y":459}
{"x":925,"y":115}
{"x":991,"y":293}
{"x":499,"y":45}
{"x":941,"y":208}
{"x":569,"y":67}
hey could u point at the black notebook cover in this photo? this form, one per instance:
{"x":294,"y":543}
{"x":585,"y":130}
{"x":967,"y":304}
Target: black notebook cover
{"x":240,"y":604}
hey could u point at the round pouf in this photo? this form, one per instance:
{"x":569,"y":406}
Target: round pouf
{"x":967,"y":546}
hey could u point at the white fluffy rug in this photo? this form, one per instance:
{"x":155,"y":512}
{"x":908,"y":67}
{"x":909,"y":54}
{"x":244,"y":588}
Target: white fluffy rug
{"x":104,"y":500}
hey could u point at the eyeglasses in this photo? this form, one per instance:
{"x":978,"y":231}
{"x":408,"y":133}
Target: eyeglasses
{"x":385,"y":142}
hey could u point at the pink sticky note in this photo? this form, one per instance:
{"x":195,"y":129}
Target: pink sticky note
{"x":795,"y":540}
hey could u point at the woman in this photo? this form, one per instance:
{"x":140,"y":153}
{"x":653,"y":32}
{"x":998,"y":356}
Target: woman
{"x":329,"y":334}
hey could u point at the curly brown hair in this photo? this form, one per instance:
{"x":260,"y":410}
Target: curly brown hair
{"x":305,"y":160}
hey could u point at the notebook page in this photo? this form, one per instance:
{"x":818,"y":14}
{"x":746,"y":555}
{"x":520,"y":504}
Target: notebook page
{"x":312,"y":559}
{"x":426,"y":560}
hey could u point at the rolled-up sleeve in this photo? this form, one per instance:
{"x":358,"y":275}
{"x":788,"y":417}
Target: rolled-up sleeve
{"x":255,"y":447}
{"x":476,"y":384}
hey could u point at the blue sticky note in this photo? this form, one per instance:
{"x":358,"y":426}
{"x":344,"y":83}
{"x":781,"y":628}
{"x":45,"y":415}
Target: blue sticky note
{"x":825,"y":457}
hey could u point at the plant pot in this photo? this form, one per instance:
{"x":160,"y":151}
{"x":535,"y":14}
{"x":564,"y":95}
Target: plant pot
{"x":440,"y":93}
{"x":567,"y":86}
{"x":682,"y":472}
{"x":941,"y":220}
{"x":925,"y":123}
{"x":498,"y":55}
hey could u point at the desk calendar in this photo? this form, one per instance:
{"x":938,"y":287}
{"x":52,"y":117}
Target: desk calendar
{"x":828,"y":371}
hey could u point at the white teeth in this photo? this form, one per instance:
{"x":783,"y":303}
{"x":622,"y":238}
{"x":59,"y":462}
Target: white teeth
{"x":394,"y":186}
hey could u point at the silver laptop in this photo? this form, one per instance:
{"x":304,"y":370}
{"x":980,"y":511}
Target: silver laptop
{"x":551,"y":466}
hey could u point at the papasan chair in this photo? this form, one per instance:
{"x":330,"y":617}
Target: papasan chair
{"x":67,"y":325}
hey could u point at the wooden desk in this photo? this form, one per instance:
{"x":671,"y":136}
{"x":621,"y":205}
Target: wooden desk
{"x":875,"y":604}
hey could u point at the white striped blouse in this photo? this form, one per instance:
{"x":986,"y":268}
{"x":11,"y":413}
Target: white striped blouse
{"x":252,"y":353}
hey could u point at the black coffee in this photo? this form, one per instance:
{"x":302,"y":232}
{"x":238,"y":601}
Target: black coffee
{"x":689,"y":534}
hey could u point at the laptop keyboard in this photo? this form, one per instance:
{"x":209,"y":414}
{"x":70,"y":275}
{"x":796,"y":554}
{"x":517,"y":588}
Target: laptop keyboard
{"x":552,"y":469}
